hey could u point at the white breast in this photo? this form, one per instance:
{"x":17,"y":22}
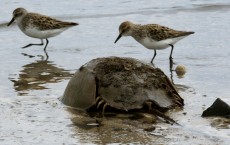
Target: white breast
{"x":35,"y":33}
{"x":153,"y":44}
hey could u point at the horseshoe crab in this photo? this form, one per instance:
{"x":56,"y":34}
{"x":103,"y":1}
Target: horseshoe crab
{"x":123,"y":84}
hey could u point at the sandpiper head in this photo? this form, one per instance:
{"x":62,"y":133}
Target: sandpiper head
{"x":17,"y":14}
{"x":125,"y":29}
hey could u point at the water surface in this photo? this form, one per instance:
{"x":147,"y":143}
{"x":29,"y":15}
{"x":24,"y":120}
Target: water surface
{"x":30,"y":86}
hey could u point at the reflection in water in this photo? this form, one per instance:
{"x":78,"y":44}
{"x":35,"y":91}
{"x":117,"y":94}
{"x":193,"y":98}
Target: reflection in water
{"x":171,"y":63}
{"x":40,"y":44}
{"x":220,"y":123}
{"x":171,"y":70}
{"x":42,"y":57}
{"x":180,"y":70}
{"x":180,"y":87}
{"x":33,"y":76}
{"x":119,"y":128}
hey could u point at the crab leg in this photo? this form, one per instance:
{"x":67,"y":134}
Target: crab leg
{"x":179,"y":103}
{"x":99,"y":103}
{"x":97,"y":99}
{"x":158,"y":113}
{"x":104,"y":106}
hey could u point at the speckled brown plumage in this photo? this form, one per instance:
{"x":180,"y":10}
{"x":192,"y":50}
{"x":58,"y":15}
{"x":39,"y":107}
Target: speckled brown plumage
{"x":43,"y":22}
{"x":157,"y":32}
{"x":154,"y":31}
{"x":152,"y":36}
{"x":38,"y":26}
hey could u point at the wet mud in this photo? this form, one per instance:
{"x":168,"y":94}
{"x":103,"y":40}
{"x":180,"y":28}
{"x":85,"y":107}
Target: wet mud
{"x":30,"y":86}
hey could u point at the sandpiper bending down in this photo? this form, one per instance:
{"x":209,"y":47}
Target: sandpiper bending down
{"x":152,"y":36}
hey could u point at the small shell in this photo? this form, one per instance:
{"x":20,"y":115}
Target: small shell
{"x":180,"y":70}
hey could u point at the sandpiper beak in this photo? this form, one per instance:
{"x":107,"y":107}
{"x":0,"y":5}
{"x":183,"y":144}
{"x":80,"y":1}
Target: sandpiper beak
{"x":11,"y":21}
{"x":119,"y":36}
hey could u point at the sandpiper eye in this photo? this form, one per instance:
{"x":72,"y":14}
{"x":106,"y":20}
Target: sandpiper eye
{"x":16,"y":15}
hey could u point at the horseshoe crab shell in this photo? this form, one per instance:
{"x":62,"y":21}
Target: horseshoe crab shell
{"x":121,"y":83}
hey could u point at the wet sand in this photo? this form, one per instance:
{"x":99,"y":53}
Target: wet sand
{"x":30,"y":85}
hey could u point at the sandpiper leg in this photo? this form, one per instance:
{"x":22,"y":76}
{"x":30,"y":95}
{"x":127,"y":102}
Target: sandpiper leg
{"x":33,"y":44}
{"x":170,"y":57}
{"x":171,"y":64}
{"x":155,"y":53}
{"x":47,"y":41}
{"x":171,"y":72}
{"x":47,"y":56}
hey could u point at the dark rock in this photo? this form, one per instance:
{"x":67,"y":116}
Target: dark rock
{"x":218,"y":108}
{"x":150,"y":129}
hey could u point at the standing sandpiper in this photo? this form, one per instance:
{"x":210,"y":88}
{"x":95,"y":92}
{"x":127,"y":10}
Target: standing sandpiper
{"x":39,"y":26}
{"x":152,"y":36}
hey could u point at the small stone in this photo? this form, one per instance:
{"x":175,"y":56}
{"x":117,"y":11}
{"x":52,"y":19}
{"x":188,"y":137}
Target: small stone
{"x":150,"y":129}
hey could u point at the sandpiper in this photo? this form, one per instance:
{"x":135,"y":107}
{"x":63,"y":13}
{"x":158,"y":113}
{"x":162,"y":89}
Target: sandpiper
{"x":38,"y":26}
{"x":152,"y":36}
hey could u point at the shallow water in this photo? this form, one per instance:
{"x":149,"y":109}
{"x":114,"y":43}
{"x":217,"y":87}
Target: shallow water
{"x":30,"y":86}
